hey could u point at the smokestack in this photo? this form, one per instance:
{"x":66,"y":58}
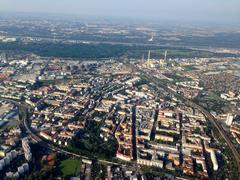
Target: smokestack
{"x":149,"y":55}
{"x":165,"y":56}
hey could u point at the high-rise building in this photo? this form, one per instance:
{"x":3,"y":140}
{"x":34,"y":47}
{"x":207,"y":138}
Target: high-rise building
{"x":3,"y":57}
{"x":162,"y":62}
{"x":143,"y":58}
{"x":229,"y":119}
{"x":27,"y":149}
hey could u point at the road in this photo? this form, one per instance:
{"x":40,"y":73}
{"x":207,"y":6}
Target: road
{"x":208,"y":115}
{"x":134,"y":141}
{"x":155,"y":124}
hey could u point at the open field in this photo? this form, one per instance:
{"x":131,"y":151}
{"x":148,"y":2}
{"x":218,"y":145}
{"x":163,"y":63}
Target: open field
{"x":70,"y":167}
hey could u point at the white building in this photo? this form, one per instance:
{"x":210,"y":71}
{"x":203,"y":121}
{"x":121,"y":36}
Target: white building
{"x":27,"y":150}
{"x":229,"y":119}
{"x":214,"y":160}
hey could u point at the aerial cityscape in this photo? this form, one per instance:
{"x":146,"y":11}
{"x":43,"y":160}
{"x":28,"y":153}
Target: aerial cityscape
{"x":105,"y":96}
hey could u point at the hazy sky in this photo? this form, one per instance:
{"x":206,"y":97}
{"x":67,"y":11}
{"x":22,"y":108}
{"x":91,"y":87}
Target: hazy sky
{"x":181,"y":10}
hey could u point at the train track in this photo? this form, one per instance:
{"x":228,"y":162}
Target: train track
{"x":208,"y":115}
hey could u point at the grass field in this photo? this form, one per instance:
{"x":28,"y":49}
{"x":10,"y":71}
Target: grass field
{"x":70,"y":167}
{"x":213,"y":102}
